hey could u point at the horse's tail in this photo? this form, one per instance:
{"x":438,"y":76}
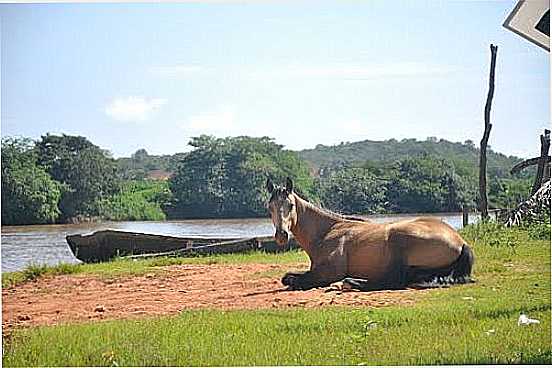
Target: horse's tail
{"x":459,"y":272}
{"x":462,"y":267}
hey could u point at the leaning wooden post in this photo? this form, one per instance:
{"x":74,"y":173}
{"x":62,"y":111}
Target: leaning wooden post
{"x":545,"y":147}
{"x":483,"y":151}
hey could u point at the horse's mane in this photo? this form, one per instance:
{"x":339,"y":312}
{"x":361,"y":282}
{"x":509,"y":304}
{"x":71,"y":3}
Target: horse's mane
{"x":280,"y":191}
{"x":335,"y":215}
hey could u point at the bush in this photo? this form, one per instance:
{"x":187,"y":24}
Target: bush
{"x":539,"y":230}
{"x":29,"y":194}
{"x":137,"y":200}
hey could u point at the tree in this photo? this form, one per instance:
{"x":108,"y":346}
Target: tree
{"x":225,"y":177}
{"x":87,"y":171}
{"x":352,"y":190}
{"x":29,"y":194}
{"x":140,"y":155}
{"x":426,"y":184}
{"x":469,"y":143}
{"x":508,"y":193}
{"x":197,"y":183}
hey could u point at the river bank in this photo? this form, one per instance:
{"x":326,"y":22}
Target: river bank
{"x":46,"y":244}
{"x":182,"y":311}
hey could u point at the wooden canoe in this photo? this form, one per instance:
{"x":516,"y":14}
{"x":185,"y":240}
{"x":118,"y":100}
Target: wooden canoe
{"x":107,"y":244}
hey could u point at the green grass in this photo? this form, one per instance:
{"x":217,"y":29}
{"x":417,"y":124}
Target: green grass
{"x":466,"y":324}
{"x":33,"y":272}
{"x":424,"y":334}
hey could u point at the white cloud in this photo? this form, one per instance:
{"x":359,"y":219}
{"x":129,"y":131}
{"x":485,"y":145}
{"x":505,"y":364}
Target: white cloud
{"x":175,"y":70}
{"x":133,"y":109}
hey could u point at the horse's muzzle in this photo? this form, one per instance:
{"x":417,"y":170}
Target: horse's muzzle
{"x":281,"y":237}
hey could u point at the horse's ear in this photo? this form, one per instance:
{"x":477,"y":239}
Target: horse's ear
{"x":269,"y":185}
{"x":289,"y":185}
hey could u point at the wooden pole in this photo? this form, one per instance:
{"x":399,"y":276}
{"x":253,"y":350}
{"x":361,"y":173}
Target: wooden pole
{"x":464,"y":216}
{"x":483,"y":147}
{"x":545,"y":147}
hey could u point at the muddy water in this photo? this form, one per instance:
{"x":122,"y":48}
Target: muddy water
{"x":45,"y":244}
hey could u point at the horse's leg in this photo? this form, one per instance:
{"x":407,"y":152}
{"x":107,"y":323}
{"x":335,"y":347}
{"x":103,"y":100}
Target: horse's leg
{"x":396,"y":277}
{"x":322,"y":274}
{"x":361,"y":284}
{"x":311,"y":279}
{"x":368,"y":285}
{"x":289,"y":277}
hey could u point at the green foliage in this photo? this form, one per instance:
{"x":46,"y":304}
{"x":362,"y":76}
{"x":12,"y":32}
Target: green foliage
{"x":63,"y":178}
{"x":352,"y":190}
{"x":141,"y":164}
{"x":225,"y":177}
{"x":462,"y":159}
{"x":508,"y":192}
{"x":136,"y":200}
{"x":539,"y":230}
{"x":495,"y":234}
{"x":34,"y":271}
{"x":465,"y":154}
{"x":491,"y":233}
{"x":87,"y":172}
{"x":29,"y":194}
{"x":426,"y":184}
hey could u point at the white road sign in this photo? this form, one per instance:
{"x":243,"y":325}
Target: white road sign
{"x":531,"y":20}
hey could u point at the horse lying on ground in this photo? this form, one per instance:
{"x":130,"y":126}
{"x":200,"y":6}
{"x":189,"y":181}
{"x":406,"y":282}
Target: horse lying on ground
{"x":365,"y":255}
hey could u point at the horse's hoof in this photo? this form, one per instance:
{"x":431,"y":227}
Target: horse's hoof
{"x":289,"y":279}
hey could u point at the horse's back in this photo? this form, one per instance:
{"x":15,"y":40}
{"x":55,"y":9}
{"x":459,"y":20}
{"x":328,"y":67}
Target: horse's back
{"x":425,"y":242}
{"x":374,"y":249}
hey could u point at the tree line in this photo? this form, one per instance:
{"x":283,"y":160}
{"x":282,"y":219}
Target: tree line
{"x":69,"y":179}
{"x":56,"y":179}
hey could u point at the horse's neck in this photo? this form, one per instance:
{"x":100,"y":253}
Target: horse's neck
{"x":311,"y":225}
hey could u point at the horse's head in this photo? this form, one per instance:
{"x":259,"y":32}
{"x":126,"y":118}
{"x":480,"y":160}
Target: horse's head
{"x":282,"y":210}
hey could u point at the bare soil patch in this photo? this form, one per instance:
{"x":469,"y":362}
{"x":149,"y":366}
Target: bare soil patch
{"x":78,"y":298}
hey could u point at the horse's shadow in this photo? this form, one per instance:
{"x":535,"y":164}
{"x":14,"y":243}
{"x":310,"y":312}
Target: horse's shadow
{"x":339,"y":290}
{"x":268,"y":292}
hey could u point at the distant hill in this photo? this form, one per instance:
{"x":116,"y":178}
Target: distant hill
{"x":465,"y":157}
{"x":142,"y":165}
{"x":461,"y":154}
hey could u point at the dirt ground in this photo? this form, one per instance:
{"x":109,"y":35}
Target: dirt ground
{"x":78,"y":298}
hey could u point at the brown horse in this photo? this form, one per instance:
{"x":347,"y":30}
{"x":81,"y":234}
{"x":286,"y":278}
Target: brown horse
{"x":365,"y":255}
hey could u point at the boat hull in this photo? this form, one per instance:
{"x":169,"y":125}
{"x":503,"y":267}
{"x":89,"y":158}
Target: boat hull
{"x":108,"y":244}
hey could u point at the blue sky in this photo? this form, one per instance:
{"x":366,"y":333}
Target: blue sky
{"x":130,"y":76}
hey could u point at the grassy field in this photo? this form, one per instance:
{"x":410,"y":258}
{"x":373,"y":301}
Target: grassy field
{"x":468,"y":324}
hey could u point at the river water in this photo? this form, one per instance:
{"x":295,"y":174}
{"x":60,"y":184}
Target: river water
{"x":46,"y":244}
